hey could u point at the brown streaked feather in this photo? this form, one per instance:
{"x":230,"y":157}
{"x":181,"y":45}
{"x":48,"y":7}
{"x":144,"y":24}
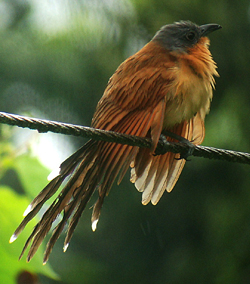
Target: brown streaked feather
{"x":153,"y":175}
{"x":113,"y":152}
{"x":198,"y":129}
{"x":118,"y":154}
{"x":120,"y":98}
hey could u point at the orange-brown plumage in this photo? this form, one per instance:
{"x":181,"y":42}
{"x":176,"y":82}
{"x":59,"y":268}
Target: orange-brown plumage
{"x":167,"y":85}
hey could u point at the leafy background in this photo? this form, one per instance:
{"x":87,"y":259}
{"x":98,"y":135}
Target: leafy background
{"x":55,"y":60}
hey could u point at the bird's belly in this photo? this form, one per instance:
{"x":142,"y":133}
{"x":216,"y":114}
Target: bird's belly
{"x":186,"y":100}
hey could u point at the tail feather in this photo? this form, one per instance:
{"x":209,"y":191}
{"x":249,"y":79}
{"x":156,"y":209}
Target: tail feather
{"x":153,"y":175}
{"x":127,"y":162}
{"x":63,"y":202}
{"x":75,"y":207}
{"x":142,"y":160}
{"x":66,"y":168}
{"x":121,"y":157}
{"x":94,"y":166}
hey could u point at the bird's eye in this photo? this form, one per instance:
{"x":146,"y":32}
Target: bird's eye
{"x":190,"y":36}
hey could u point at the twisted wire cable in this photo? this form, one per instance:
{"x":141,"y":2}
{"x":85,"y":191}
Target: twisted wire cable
{"x":43,"y":126}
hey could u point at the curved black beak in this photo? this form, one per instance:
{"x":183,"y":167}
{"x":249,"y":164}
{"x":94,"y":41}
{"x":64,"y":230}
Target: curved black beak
{"x":206,"y":29}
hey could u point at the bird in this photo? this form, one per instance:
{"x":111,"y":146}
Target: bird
{"x":163,"y":91}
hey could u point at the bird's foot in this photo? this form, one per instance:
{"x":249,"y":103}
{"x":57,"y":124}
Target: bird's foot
{"x":162,"y":140}
{"x":190,"y":146}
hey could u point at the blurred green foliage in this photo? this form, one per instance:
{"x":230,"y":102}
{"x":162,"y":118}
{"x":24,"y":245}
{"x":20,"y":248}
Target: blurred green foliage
{"x":12,"y":206}
{"x":55,"y":60}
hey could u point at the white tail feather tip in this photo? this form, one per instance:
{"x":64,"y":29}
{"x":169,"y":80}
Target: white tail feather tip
{"x":53,"y":174}
{"x":65,"y":247}
{"x":13,"y":238}
{"x":27,"y":211}
{"x":94,"y":225}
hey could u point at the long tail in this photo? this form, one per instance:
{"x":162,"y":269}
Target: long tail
{"x":94,"y":166}
{"x":70,"y":199}
{"x":90,"y":171}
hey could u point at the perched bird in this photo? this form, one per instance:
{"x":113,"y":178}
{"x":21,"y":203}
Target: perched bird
{"x":166,"y":86}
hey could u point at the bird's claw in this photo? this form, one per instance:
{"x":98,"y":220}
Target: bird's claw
{"x":189,"y":145}
{"x":187,"y":153}
{"x":162,"y":139}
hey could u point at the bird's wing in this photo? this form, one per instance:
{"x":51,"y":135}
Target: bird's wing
{"x":153,"y":175}
{"x":133,"y":105}
{"x":136,"y":89}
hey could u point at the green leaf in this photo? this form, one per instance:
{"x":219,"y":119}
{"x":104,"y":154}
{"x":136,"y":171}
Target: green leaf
{"x":12,"y":206}
{"x":31,"y":173}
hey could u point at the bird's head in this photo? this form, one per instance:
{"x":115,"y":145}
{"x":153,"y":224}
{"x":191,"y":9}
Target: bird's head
{"x":181,"y":36}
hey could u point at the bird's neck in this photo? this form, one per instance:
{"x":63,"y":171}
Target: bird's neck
{"x":200,"y":61}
